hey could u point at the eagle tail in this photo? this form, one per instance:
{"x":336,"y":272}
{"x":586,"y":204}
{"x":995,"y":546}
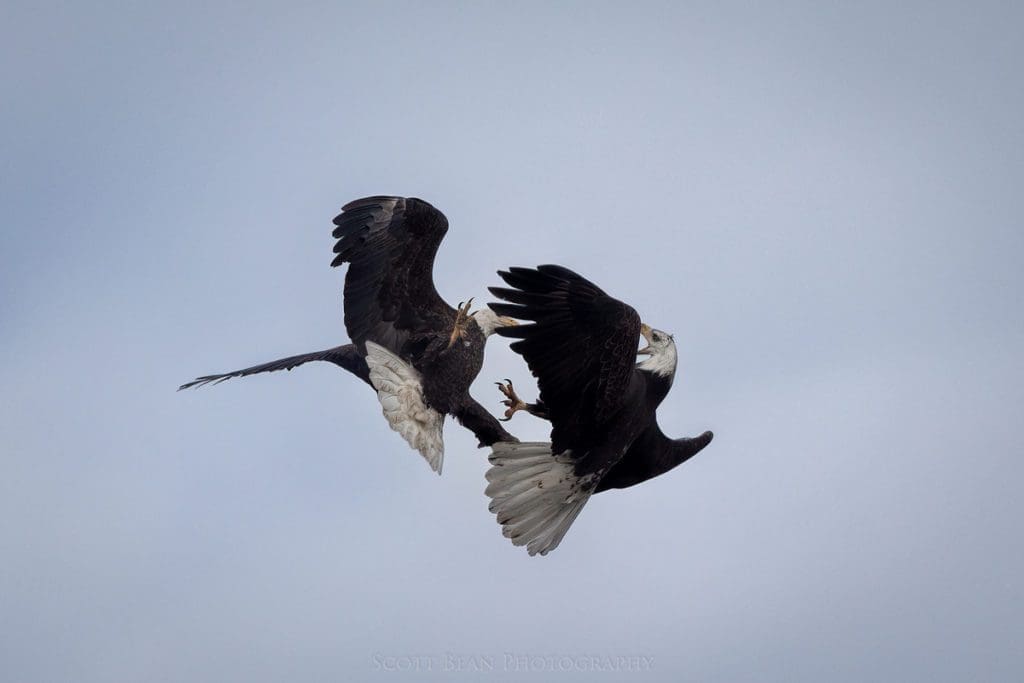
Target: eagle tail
{"x":535,"y":495}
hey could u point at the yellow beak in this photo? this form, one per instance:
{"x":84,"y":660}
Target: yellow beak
{"x":645,"y":332}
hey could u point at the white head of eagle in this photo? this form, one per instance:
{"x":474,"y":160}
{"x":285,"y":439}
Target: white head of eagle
{"x":489,"y":321}
{"x":661,"y":348}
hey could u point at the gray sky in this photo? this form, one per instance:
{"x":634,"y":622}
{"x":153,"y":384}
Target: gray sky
{"x":824,"y":205}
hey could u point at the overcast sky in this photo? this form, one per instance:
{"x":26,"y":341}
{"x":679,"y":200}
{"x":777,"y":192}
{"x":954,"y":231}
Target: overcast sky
{"x":823,"y":204}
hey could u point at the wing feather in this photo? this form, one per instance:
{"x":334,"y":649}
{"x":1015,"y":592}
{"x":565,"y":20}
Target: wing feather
{"x":390,"y":244}
{"x":344,"y":356}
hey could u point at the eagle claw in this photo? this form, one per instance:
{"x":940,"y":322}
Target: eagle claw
{"x":462,"y":318}
{"x":512,"y":402}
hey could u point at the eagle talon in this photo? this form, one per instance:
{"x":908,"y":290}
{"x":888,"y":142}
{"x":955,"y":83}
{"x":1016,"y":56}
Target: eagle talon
{"x":462,"y":318}
{"x":513,"y":402}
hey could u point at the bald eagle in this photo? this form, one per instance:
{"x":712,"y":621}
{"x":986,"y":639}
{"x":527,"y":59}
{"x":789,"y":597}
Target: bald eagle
{"x":582,"y":348}
{"x":418,"y":353}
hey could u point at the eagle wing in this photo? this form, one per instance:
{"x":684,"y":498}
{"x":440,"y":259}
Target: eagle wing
{"x":390,"y":244}
{"x":650,"y":455}
{"x":581,"y":347}
{"x":344,"y":356}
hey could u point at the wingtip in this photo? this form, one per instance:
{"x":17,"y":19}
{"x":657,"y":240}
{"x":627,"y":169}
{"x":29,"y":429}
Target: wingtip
{"x":376,"y":199}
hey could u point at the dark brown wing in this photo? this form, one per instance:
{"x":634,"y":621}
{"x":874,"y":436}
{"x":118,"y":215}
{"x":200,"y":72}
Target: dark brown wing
{"x":651,"y":454}
{"x":389,"y":244}
{"x":581,"y":348}
{"x":344,"y":356}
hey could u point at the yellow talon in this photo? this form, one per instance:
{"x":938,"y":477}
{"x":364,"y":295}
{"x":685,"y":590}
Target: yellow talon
{"x":462,"y":318}
{"x":513,"y":402}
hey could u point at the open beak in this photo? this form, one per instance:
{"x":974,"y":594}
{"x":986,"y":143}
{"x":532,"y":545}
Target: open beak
{"x":645,"y":332}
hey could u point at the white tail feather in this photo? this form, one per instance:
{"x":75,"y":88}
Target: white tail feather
{"x":400,"y":392}
{"x":535,"y":495}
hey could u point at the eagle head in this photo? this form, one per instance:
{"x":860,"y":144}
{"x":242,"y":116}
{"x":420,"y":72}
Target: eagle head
{"x":661,"y":348}
{"x":489,"y":321}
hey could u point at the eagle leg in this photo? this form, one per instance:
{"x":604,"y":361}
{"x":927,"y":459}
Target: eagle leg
{"x":462,"y":318}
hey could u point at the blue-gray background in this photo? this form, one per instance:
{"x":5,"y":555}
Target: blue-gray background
{"x":823,"y":204}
